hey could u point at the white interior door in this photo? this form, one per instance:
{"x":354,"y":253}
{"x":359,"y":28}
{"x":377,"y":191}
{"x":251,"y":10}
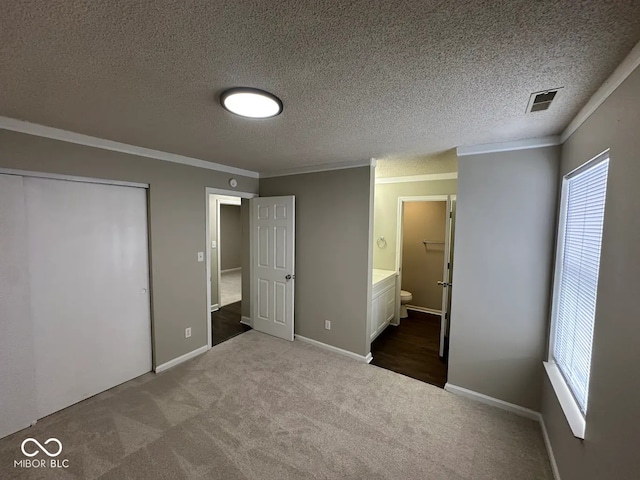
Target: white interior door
{"x":88,"y":266}
{"x":17,"y":366}
{"x":273,"y":269}
{"x":446,"y":277}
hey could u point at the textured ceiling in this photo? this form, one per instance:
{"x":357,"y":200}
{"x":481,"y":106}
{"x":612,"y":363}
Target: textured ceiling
{"x":402,"y":166}
{"x":358,"y":79}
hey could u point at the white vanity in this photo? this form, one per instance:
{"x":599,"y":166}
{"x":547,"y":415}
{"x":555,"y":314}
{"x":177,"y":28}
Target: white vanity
{"x":383,"y":299}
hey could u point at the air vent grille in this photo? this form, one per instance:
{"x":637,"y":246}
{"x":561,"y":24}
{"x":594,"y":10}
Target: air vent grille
{"x":540,"y":101}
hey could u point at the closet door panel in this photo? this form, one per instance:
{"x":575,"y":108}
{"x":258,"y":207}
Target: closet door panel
{"x":88,"y":263}
{"x":17,"y":367}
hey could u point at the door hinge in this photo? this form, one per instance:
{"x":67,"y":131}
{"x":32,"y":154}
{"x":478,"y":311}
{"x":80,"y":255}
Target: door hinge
{"x":448,"y":265}
{"x":450,"y":214}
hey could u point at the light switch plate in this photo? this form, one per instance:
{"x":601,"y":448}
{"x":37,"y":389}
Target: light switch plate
{"x":214,"y":244}
{"x":201,"y":256}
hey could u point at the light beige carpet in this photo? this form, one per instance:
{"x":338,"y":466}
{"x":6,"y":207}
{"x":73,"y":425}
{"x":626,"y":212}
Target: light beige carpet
{"x":230,"y":287}
{"x":256,"y":407}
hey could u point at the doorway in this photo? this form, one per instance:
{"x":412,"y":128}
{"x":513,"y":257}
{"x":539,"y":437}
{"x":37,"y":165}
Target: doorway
{"x":267,"y":271}
{"x":227,"y":262}
{"x":418,"y":345}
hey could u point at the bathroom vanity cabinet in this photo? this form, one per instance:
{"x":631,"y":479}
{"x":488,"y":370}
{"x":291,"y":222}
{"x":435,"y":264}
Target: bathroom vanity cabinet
{"x":383,"y":301}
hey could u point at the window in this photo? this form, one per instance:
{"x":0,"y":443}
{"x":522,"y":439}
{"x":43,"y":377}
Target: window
{"x":575,"y":287}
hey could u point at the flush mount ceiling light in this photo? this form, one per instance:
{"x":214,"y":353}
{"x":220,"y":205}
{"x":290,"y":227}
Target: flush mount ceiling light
{"x":251,"y":102}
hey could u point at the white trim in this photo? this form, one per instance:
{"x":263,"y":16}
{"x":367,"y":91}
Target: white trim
{"x":218,"y":255}
{"x":229,"y":270}
{"x":480,"y":397}
{"x":324,"y":167}
{"x":432,"y":311}
{"x":361,"y":358}
{"x":619,"y":75}
{"x":71,"y":178}
{"x":181,"y":359}
{"x":509,"y":146}
{"x":430,"y":177}
{"x":547,"y":444}
{"x":569,"y":405}
{"x":29,"y":128}
{"x":425,"y":198}
{"x":246,"y":321}
{"x":517,"y":409}
{"x":230,"y":193}
{"x":215,"y":308}
{"x":231,"y":201}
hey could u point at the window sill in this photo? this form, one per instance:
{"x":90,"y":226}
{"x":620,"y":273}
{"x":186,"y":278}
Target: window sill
{"x":567,"y":402}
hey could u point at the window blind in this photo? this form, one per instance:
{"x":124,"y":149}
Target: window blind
{"x":576,"y":296}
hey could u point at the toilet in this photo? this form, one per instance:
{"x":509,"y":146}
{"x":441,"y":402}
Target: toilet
{"x":405,"y":297}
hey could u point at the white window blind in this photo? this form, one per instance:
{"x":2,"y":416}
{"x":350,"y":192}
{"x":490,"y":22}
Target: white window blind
{"x":581,"y":237}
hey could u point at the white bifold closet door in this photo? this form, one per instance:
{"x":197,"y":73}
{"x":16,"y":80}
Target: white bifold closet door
{"x":89,"y":284}
{"x":17,"y":367}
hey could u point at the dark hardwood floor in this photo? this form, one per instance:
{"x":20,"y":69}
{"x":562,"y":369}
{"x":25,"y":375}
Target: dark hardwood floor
{"x":412,"y":349}
{"x":225,"y":323}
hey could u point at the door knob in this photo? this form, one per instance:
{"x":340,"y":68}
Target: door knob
{"x":289,"y":277}
{"x":444,"y":284}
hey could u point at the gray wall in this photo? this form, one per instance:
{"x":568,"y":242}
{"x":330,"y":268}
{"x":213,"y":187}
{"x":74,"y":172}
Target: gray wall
{"x":504,"y":242}
{"x":612,"y":436}
{"x":230,"y":237}
{"x":177,"y":225}
{"x":332,"y":253}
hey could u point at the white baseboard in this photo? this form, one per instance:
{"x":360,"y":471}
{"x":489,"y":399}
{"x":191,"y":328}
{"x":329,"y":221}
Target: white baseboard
{"x":517,"y":409}
{"x":246,"y":321}
{"x":231,"y":270}
{"x":215,"y":308}
{"x":547,"y":443}
{"x":331,"y":348}
{"x":181,"y":359}
{"x":482,"y":398}
{"x":424,"y":310}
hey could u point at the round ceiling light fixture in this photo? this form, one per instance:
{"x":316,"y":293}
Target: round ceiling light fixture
{"x":251,"y":102}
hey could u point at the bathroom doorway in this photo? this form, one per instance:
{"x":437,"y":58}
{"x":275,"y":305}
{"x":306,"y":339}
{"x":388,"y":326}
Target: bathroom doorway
{"x":418,"y":345}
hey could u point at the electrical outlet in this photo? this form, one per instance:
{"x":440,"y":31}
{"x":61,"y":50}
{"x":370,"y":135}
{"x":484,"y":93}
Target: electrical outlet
{"x":201,"y":256}
{"x":187,"y":332}
{"x":327,"y":324}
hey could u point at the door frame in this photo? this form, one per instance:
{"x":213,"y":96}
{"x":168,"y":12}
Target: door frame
{"x":399,"y":239}
{"x":207,"y":257}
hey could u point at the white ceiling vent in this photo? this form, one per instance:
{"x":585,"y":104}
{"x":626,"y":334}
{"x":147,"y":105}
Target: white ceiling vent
{"x":541,"y":100}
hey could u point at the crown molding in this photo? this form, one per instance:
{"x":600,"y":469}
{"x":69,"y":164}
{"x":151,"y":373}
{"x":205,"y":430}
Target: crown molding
{"x":418,"y":178}
{"x":29,"y":128}
{"x":324,"y":167}
{"x":619,"y":75}
{"x":509,"y":146}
